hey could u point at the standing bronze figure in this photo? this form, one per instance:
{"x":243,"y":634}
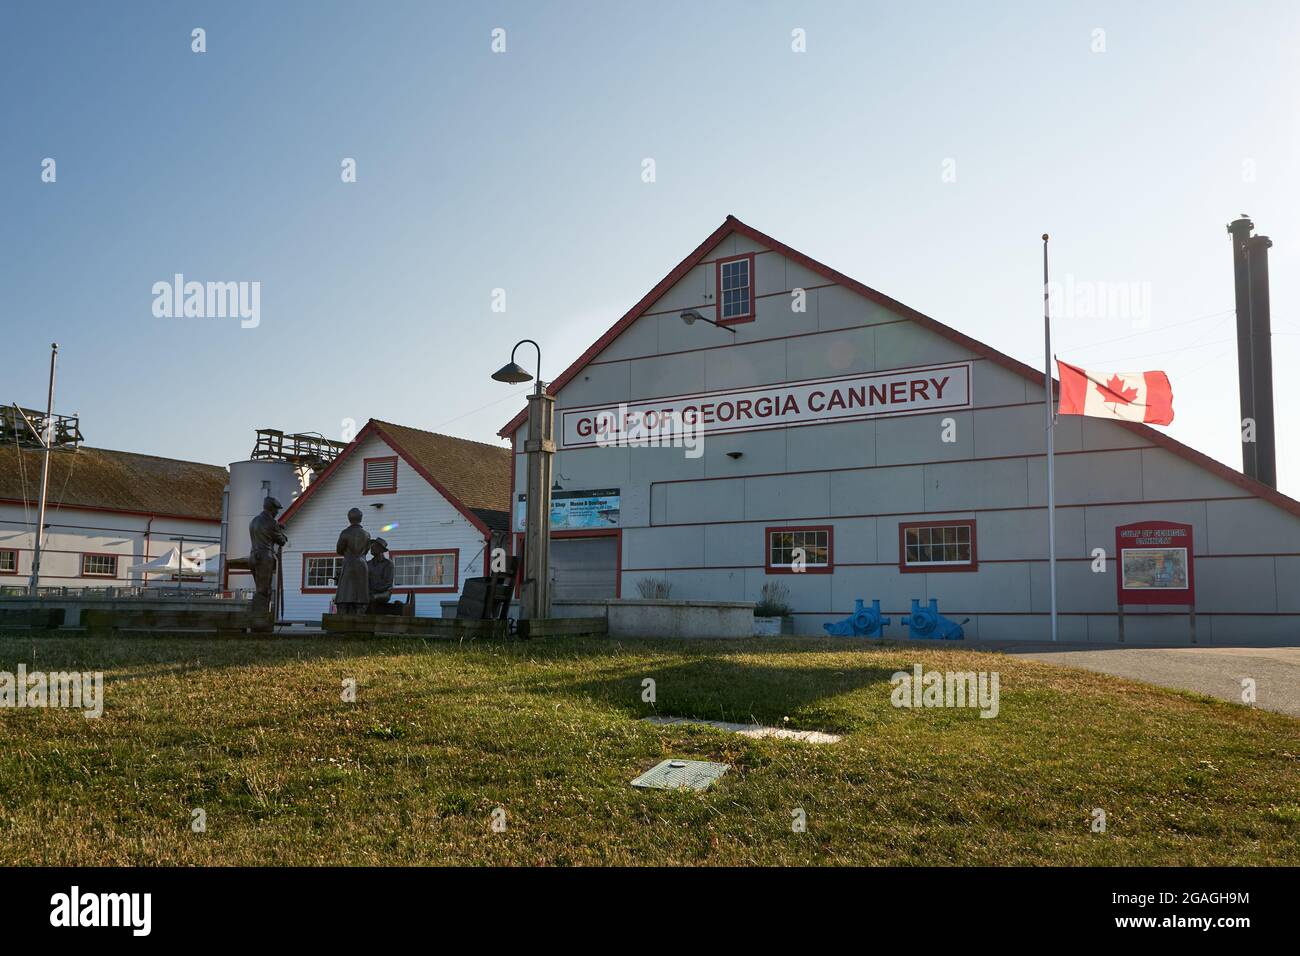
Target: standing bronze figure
{"x":353,"y":594}
{"x":381,"y":576}
{"x":264,"y":534}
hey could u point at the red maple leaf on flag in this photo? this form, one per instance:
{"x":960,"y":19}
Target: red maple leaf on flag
{"x":1114,"y":392}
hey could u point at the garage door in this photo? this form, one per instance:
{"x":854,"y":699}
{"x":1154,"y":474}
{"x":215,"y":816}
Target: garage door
{"x":584,"y":568}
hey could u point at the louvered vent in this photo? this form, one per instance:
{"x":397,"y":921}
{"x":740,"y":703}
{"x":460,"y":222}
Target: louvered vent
{"x":381,"y":474}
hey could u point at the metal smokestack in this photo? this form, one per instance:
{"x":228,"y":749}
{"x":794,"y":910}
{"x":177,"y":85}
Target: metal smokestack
{"x":1254,"y":351}
{"x":1239,"y":230}
{"x":1261,"y":333}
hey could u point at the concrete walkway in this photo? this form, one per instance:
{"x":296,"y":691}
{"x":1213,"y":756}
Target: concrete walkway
{"x":1215,"y":671}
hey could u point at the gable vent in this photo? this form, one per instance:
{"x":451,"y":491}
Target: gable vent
{"x":381,"y":474}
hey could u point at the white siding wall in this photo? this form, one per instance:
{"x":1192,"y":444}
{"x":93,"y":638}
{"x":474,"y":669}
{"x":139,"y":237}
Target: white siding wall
{"x":72,"y":532}
{"x":424,"y":518}
{"x":700,"y":522}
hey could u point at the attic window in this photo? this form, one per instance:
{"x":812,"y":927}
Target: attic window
{"x":735,"y":282}
{"x":380,"y":476}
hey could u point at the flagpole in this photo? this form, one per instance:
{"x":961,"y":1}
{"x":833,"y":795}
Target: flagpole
{"x":1051,"y":441}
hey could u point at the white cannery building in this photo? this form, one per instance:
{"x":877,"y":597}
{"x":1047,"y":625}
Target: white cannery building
{"x":899,"y":457}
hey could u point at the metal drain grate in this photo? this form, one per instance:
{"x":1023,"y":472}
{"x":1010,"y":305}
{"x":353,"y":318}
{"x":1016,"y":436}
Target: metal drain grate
{"x":678,"y":774}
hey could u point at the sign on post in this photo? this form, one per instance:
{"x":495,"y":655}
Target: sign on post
{"x":1155,"y":564}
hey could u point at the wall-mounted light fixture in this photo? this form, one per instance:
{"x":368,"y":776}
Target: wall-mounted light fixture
{"x":691,"y":316}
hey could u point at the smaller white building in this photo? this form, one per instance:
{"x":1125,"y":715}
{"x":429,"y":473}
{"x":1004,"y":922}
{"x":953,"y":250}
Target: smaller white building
{"x":110,"y":516}
{"x":435,"y":499}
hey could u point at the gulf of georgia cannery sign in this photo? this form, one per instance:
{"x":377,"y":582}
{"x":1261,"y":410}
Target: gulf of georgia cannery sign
{"x":909,"y":391}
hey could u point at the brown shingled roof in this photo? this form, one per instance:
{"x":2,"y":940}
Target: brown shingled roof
{"x":116,"y":481}
{"x":477,"y":474}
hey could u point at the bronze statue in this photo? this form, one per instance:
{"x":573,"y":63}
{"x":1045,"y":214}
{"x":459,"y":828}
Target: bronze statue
{"x":353,"y":593}
{"x":264,"y":534}
{"x":380,"y":569}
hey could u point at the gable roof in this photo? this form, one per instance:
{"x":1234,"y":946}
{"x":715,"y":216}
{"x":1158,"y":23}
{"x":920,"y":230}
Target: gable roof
{"x":733,"y":225}
{"x":473,"y":476}
{"x":103,"y":480}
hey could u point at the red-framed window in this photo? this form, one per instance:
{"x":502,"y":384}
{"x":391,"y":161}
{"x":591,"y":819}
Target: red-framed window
{"x":937,"y":545}
{"x":428,"y":571}
{"x":8,"y":560}
{"x":320,"y":572}
{"x":99,"y":565}
{"x":808,"y":549}
{"x":734,"y":282}
{"x":379,"y":475}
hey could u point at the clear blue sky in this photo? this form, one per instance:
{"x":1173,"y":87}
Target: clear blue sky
{"x":522,"y":171}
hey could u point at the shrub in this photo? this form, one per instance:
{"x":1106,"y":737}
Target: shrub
{"x":654,"y":589}
{"x":773,"y":601}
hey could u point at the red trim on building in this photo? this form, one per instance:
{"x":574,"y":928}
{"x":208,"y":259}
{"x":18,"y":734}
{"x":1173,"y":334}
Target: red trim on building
{"x":717,"y":289}
{"x":302,"y":576}
{"x":443,"y":589}
{"x":734,"y":225}
{"x":97,"y":554}
{"x":365,"y":476}
{"x":614,"y":331}
{"x":372,"y":428}
{"x":905,"y":568}
{"x":827,"y":568}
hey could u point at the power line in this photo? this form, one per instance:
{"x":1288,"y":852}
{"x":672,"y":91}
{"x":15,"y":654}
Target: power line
{"x":1200,"y":318}
{"x":513,"y":394}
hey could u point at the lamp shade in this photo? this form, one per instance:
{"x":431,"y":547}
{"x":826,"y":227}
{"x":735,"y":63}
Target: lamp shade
{"x":511,"y":373}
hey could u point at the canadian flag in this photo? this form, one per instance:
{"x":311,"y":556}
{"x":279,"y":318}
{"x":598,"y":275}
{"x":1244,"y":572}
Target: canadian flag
{"x":1128,"y":396}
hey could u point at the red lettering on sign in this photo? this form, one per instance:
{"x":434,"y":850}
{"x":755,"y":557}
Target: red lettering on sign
{"x":938,"y":384}
{"x":897,"y":392}
{"x":814,"y":401}
{"x":837,"y":400}
{"x":920,"y":387}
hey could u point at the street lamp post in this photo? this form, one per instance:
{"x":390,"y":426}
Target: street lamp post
{"x":539,"y":448}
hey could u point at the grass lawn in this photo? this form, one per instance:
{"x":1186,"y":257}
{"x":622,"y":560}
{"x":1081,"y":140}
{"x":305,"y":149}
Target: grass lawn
{"x":255,"y":733}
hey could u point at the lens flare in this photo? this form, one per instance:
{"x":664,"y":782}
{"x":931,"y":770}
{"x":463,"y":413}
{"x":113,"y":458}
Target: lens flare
{"x":389,"y":527}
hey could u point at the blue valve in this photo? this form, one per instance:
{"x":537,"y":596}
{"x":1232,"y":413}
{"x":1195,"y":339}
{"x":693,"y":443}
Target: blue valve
{"x":926,"y":623}
{"x":863,"y":622}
